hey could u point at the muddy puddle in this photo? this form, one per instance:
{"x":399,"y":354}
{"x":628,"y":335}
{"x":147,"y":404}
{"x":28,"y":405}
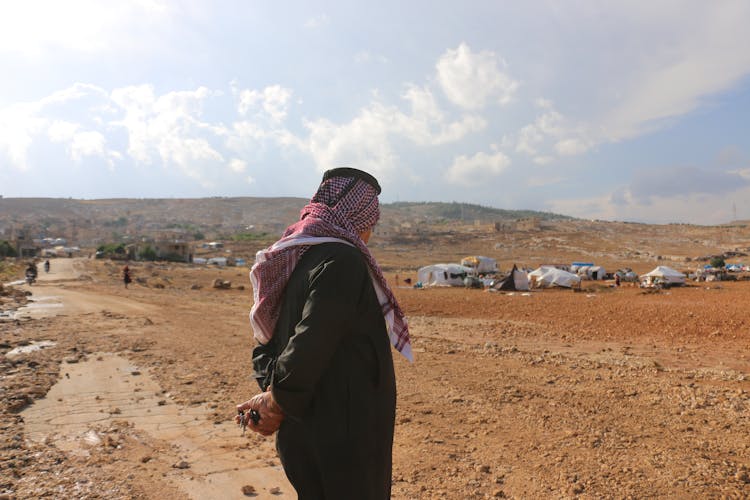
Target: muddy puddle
{"x":106,"y":387}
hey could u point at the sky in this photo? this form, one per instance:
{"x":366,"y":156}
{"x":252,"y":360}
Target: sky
{"x":632,"y":111}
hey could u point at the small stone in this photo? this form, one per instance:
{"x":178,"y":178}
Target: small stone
{"x":145,"y":459}
{"x":181,"y":465}
{"x":483,"y":468}
{"x":498,"y":494}
{"x":248,"y":491}
{"x":275,"y":490}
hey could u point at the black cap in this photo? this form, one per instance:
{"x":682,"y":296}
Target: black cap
{"x":352,"y":173}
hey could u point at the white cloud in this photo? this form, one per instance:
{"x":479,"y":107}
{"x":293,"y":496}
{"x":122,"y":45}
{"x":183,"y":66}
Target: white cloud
{"x":571,"y":147}
{"x":471,"y":80}
{"x":170,"y":127}
{"x":669,"y":59}
{"x":474,"y":170}
{"x":19,"y":123}
{"x":89,"y":143}
{"x":535,"y":139}
{"x":367,"y":140}
{"x":62,"y":131}
{"x":272,"y":100}
{"x":237,"y":165}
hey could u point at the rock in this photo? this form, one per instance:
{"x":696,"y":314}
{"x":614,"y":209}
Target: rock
{"x":91,"y":438}
{"x":181,"y":465}
{"x":221,"y":284}
{"x":146,"y":459}
{"x":195,"y":286}
{"x":249,"y":491}
{"x":275,"y":490}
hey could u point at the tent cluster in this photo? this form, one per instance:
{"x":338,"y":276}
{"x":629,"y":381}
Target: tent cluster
{"x":482,"y":272}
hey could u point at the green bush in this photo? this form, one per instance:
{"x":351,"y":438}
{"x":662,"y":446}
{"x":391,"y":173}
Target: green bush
{"x":6,"y":250}
{"x":717,"y":262}
{"x":112,"y":248}
{"x":148,"y":253}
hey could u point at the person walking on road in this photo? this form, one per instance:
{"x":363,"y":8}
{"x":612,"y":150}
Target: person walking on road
{"x":323,"y":316}
{"x":126,"y":278}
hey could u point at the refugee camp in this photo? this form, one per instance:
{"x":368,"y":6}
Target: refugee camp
{"x":374,"y":250}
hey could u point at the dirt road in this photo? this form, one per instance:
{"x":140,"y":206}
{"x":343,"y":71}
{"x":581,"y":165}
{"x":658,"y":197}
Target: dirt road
{"x":600,"y":394}
{"x":98,"y":393}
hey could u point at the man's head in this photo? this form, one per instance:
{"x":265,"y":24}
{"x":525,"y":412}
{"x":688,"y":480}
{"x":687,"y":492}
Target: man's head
{"x":353,"y":195}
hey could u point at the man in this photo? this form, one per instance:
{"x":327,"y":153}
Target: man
{"x":323,"y":315}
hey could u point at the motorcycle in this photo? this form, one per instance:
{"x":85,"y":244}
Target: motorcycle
{"x":30,"y":277}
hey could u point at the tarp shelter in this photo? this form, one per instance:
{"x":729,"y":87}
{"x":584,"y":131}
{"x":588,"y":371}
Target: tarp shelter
{"x":443,"y":275}
{"x":665,"y":275}
{"x":591,"y":272}
{"x":547,"y":276}
{"x":516,"y":280}
{"x":480,"y":264}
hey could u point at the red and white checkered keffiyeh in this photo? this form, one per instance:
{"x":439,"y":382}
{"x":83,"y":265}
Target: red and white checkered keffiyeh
{"x":342,"y":208}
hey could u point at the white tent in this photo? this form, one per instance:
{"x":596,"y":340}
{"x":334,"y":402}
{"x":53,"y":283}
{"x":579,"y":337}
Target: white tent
{"x":591,"y":272}
{"x":547,"y":276}
{"x":480,"y":264}
{"x":665,"y":275}
{"x":443,"y":275}
{"x":516,"y":280}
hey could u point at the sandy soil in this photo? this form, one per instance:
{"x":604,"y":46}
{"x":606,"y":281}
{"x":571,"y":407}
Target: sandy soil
{"x":603,"y":393}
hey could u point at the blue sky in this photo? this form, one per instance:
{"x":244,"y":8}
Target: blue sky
{"x":631,"y":111}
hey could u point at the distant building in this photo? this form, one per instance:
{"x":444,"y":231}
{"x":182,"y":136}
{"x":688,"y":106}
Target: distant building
{"x":174,"y":250}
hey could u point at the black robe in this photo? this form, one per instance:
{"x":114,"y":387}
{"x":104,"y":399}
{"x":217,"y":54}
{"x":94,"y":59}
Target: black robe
{"x":330,"y":368}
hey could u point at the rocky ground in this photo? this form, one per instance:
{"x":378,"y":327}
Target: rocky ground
{"x":602,"y":393}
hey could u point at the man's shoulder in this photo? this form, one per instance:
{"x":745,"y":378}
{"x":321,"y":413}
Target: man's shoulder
{"x":342,"y":255}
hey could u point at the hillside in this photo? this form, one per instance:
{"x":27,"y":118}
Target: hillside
{"x":89,"y":221}
{"x":407,"y":236}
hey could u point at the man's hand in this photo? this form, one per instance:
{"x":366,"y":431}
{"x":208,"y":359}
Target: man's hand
{"x":270,"y":413}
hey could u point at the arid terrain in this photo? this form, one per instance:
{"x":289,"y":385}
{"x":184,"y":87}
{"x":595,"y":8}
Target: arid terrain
{"x":598,"y":393}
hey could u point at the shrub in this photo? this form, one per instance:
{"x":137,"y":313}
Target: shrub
{"x":717,"y":262}
{"x":6,"y":250}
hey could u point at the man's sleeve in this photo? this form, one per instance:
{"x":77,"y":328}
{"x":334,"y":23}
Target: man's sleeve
{"x":329,"y":310}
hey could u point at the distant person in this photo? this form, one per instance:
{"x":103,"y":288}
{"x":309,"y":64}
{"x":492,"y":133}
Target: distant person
{"x":46,"y":266}
{"x":617,"y":280}
{"x":323,"y":316}
{"x":31,"y":272}
{"x":126,"y":278}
